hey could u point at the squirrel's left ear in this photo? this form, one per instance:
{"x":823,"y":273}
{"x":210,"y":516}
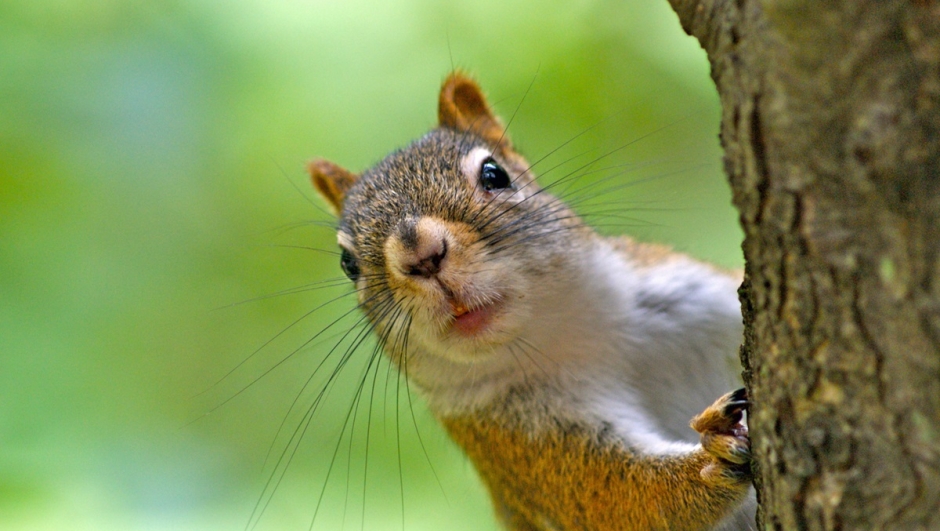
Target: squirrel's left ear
{"x":463,"y":107}
{"x":331,"y":181}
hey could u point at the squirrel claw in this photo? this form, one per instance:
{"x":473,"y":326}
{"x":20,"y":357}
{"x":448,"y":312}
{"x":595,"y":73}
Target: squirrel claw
{"x":725,"y":437}
{"x":724,"y":416}
{"x":734,"y":410}
{"x":739,"y":394}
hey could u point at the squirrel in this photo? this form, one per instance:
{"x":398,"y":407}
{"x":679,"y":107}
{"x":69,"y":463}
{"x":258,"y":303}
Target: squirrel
{"x":565,"y":364}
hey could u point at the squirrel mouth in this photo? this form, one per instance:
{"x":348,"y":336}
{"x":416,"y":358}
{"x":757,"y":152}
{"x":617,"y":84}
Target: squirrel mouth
{"x":470,"y":322}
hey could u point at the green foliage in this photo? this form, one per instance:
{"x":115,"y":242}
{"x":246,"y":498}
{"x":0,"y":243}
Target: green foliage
{"x":151,"y":177}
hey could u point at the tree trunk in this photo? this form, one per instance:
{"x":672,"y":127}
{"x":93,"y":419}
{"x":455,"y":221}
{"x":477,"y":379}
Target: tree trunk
{"x":831,"y":130}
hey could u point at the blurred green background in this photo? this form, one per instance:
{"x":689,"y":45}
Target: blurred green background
{"x":152,"y":194}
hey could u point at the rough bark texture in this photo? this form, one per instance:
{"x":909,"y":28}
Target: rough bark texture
{"x":831,"y":130}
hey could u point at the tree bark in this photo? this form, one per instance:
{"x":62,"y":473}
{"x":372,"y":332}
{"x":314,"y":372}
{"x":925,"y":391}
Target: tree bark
{"x":831,"y":131}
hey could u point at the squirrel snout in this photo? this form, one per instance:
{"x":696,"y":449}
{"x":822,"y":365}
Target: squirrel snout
{"x":429,"y":265}
{"x":418,"y":248}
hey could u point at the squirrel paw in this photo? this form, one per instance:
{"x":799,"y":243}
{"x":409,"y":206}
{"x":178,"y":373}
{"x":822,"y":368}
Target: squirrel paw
{"x":725,"y":437}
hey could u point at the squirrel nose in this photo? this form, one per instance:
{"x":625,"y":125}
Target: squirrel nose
{"x":428,"y":263}
{"x":418,"y":247}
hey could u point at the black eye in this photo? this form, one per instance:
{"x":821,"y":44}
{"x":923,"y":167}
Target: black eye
{"x":350,"y":265}
{"x":493,"y":177}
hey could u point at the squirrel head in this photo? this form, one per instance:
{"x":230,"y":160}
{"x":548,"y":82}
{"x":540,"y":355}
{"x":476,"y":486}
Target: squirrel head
{"x":447,"y":236}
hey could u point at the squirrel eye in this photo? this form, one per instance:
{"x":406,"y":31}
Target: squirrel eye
{"x":493,"y":177}
{"x":349,"y":264}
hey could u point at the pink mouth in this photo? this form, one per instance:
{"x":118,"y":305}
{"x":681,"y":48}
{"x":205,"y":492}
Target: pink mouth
{"x":472,"y":322}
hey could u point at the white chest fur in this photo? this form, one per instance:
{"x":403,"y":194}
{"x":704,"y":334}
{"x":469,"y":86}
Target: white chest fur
{"x":622,"y":341}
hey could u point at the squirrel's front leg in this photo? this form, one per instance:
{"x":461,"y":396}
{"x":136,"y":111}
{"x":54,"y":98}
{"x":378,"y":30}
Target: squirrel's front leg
{"x":571,"y":480}
{"x":697,"y":490}
{"x":722,"y":464}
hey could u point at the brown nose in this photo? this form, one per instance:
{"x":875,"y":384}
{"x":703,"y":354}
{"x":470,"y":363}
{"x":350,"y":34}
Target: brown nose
{"x":417,"y":248}
{"x":428,"y":263}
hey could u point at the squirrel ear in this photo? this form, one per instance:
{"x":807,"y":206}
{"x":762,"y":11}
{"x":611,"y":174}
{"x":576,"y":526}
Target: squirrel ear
{"x":331,"y":181}
{"x":463,"y":107}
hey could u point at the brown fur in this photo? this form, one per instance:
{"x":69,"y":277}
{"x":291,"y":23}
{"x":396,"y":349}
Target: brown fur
{"x":571,"y":479}
{"x":643,"y":254}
